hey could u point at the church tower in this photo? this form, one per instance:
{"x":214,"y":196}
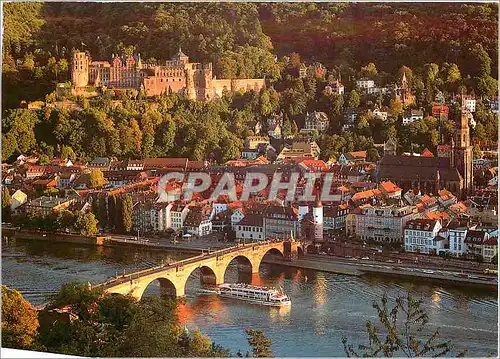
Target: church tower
{"x":80,"y":69}
{"x":390,"y":147}
{"x":462,"y":153}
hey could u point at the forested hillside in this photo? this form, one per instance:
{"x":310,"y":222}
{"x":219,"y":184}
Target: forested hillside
{"x":443,"y":49}
{"x":242,"y":39}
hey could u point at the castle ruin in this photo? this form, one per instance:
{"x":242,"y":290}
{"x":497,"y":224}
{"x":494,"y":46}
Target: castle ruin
{"x":194,"y":80}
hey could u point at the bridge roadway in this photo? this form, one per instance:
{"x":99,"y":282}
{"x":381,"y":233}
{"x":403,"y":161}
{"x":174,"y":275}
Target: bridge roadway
{"x":173,"y":276}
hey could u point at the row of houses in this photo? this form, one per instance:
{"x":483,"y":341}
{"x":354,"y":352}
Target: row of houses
{"x":459,"y":237}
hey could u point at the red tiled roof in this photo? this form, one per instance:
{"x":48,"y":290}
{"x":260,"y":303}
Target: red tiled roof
{"x":255,"y":220}
{"x":366,"y":194}
{"x":389,"y":187}
{"x":493,"y":241}
{"x":314,"y":163}
{"x":436,"y":110}
{"x":427,"y":153}
{"x":358,"y":154}
{"x":179,"y":162}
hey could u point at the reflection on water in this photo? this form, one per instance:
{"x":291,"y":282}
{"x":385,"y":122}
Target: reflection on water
{"x":324,"y":307}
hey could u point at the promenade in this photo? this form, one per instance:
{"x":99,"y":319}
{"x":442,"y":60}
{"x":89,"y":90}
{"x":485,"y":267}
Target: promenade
{"x":363,"y":267}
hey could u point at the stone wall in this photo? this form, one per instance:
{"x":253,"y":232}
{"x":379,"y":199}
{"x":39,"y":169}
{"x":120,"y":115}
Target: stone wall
{"x":234,"y":85}
{"x":53,"y":237}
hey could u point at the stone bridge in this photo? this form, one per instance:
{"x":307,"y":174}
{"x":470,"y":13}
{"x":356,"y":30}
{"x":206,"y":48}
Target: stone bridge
{"x":173,"y":276}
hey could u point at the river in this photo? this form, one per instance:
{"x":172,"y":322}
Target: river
{"x":325,"y":307}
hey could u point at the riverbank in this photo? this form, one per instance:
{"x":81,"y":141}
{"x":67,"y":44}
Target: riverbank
{"x":360,"y":269}
{"x":56,"y":237}
{"x":191,"y":247}
{"x":331,"y":267}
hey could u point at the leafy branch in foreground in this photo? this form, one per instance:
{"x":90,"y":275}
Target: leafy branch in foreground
{"x":260,"y":344}
{"x":401,"y":337}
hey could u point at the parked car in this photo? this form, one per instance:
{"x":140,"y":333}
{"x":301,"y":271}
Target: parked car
{"x":365,"y":258}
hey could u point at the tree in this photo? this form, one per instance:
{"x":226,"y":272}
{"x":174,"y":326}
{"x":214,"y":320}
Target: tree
{"x":43,"y":160}
{"x":369,"y":70}
{"x":51,"y":191}
{"x":372,"y":155}
{"x":86,"y":223}
{"x":127,"y":212}
{"x":286,"y":130}
{"x":67,"y":153}
{"x":21,"y":124}
{"x":476,"y":151}
{"x":353,"y":99}
{"x":399,"y":338}
{"x":9,"y":145}
{"x":487,"y":86}
{"x":260,"y":343}
{"x":395,"y":107}
{"x":96,"y":178}
{"x":479,"y":61}
{"x":6,"y":202}
{"x":19,"y":320}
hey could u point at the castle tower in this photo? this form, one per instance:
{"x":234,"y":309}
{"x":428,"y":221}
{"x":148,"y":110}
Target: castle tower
{"x":190,"y":89}
{"x":207,"y":91}
{"x":180,"y":56}
{"x":80,"y":69}
{"x":462,"y":153}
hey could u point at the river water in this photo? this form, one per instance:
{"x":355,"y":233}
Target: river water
{"x":325,"y":307}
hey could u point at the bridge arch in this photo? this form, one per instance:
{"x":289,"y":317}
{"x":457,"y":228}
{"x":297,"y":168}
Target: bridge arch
{"x":207,"y":276}
{"x":274,"y":252}
{"x":250,"y":262}
{"x":167,"y":287}
{"x":244,"y":263}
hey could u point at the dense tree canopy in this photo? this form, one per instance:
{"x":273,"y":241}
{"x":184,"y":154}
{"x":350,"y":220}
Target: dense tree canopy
{"x":19,"y":320}
{"x":119,"y":326}
{"x":241,"y":40}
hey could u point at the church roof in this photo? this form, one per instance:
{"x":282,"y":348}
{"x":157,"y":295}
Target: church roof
{"x":413,"y":167}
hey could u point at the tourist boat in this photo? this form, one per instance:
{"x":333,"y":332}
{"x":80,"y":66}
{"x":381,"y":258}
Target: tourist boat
{"x":259,"y":295}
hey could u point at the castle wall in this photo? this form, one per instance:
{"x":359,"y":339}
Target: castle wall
{"x":155,"y":86}
{"x":248,"y":84}
{"x":235,"y":85}
{"x":218,"y":86}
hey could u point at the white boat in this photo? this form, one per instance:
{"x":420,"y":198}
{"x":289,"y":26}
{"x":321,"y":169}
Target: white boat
{"x":259,"y":295}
